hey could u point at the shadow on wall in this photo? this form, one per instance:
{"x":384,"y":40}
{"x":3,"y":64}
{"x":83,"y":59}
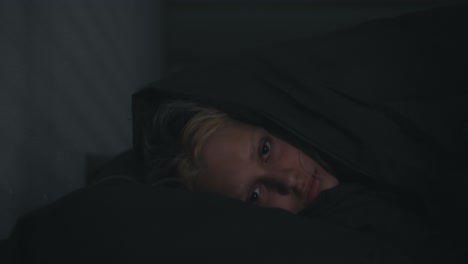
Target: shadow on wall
{"x":67,"y":73}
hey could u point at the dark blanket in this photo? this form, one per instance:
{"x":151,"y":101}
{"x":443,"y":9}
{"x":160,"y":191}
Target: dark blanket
{"x":384,"y":103}
{"x":117,"y":221}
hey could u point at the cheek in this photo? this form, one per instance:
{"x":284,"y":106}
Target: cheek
{"x":308,"y":164}
{"x":291,"y":157}
{"x":285,"y":151}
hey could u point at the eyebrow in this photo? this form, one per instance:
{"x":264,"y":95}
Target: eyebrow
{"x":253,"y":146}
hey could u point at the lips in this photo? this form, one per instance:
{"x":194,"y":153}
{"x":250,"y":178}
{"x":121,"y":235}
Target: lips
{"x":312,"y":188}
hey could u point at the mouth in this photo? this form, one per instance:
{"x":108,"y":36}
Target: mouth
{"x":312,"y":188}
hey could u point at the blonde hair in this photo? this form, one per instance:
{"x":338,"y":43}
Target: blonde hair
{"x":175,"y":141}
{"x":196,"y":132}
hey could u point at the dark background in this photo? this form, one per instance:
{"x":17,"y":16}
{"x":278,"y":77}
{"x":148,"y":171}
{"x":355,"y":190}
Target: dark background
{"x":68,"y":69}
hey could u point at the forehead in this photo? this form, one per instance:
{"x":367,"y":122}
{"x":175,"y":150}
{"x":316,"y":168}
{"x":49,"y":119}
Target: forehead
{"x":226,"y":159}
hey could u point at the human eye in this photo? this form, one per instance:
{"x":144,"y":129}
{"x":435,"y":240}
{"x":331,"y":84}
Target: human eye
{"x":255,"y":195}
{"x":265,"y":149}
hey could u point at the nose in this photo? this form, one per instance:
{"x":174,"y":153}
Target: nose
{"x":286,"y":181}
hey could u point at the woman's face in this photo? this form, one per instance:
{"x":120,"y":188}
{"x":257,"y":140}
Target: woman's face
{"x":247,"y":163}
